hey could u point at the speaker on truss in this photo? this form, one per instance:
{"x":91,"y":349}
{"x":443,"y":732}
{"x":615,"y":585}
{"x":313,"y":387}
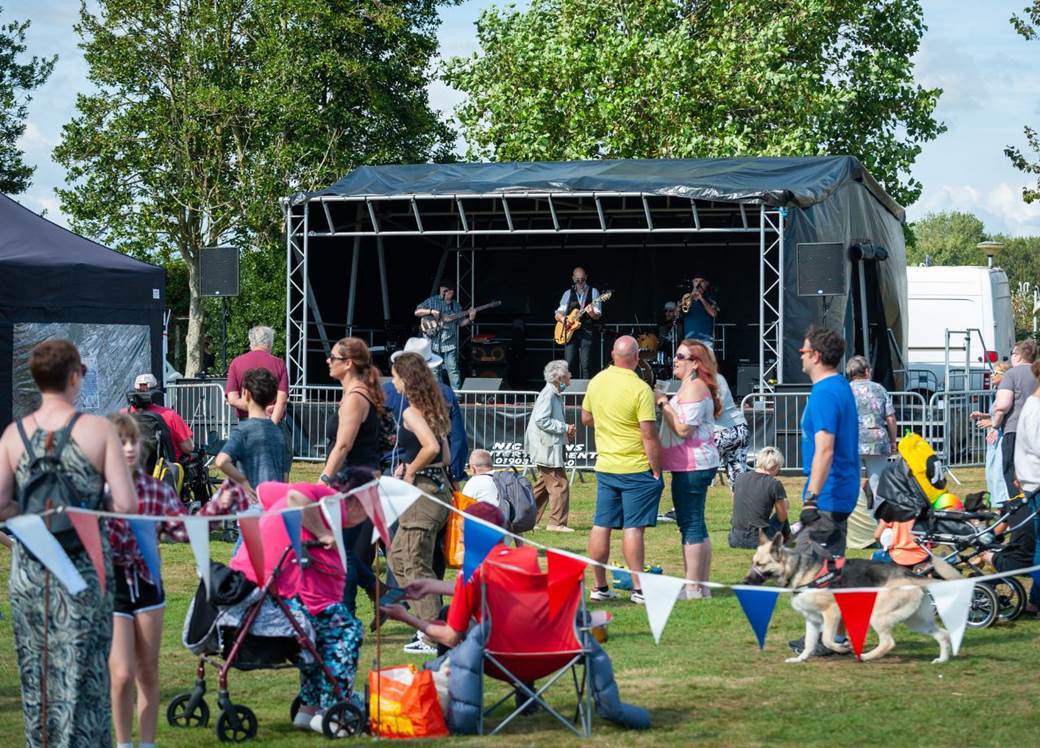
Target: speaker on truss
{"x":219,"y":270}
{"x":821,"y":269}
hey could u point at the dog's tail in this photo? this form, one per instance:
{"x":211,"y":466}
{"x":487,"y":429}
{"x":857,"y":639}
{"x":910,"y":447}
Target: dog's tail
{"x":944,"y":569}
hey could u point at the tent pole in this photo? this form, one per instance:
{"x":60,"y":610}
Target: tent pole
{"x":863,"y":321}
{"x":352,"y":294}
{"x":382,"y":279}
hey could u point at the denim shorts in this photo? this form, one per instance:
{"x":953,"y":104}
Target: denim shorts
{"x":689,"y":490}
{"x":626,"y":500}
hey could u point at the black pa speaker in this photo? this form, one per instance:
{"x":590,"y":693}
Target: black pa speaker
{"x":219,"y":268}
{"x":821,"y":269}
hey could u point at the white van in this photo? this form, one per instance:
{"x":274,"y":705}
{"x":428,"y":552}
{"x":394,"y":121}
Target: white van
{"x":974,"y":305}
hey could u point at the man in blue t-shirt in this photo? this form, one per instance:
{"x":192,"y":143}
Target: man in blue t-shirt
{"x":830,"y":442}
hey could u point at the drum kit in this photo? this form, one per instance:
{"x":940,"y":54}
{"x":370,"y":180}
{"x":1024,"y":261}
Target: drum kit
{"x":655,"y":364}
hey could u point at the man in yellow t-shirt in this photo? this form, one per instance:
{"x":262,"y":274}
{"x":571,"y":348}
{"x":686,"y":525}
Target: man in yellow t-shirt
{"x":620,"y":406}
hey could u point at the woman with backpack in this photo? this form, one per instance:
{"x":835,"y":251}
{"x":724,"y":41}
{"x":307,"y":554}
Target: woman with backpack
{"x":62,"y":640}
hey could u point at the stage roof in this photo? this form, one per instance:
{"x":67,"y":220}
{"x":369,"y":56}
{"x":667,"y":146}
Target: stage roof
{"x":778,"y":182}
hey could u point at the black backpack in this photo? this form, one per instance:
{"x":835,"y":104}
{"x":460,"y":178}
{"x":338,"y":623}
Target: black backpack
{"x":49,"y":486}
{"x":516,"y":500}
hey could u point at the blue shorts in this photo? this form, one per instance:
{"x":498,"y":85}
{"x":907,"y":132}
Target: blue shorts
{"x":626,"y":500}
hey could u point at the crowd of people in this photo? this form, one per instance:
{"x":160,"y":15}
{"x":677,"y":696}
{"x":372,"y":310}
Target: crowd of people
{"x":81,"y":677}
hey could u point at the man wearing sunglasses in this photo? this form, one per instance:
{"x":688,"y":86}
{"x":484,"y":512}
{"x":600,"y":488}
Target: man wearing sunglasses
{"x":578,"y":351}
{"x":830,"y":442}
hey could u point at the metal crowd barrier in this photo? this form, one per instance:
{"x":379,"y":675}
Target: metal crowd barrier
{"x":954,"y":435}
{"x":775,"y":420}
{"x":203,"y":407}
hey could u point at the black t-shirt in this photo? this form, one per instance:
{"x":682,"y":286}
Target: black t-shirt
{"x":754,"y":495}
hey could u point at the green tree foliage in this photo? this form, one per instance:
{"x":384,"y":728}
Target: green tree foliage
{"x":1028,"y":26}
{"x":17,"y":80}
{"x":584,"y":79}
{"x":946,"y":239}
{"x":208,"y":111}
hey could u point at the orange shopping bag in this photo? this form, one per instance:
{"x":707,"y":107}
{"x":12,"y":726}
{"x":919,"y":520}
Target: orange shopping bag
{"x":403,"y":704}
{"x":453,"y":550}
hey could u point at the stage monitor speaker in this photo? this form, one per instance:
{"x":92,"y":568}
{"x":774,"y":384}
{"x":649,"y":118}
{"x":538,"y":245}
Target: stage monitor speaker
{"x":578,"y":386}
{"x":821,"y":269}
{"x":482,"y":384}
{"x":219,"y":269}
{"x":747,"y":379}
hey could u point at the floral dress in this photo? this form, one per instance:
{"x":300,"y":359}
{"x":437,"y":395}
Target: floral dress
{"x":874,"y":406}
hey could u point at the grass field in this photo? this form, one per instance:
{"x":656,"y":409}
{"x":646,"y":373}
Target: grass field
{"x":706,"y":683}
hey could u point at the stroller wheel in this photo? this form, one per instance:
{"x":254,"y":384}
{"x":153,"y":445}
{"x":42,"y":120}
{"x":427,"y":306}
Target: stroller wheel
{"x":984,"y":607}
{"x":1011,"y":597}
{"x":294,"y":708}
{"x":236,"y":724}
{"x":180,"y":712}
{"x":342,"y":720}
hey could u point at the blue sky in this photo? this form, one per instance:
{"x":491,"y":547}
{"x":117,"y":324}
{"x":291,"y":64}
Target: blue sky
{"x":990,"y":77}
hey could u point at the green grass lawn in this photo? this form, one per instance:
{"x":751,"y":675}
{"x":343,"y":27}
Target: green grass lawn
{"x":706,"y":683}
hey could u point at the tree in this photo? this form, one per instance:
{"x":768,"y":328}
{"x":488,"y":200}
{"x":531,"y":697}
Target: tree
{"x":208,"y":111}
{"x":581,"y":79}
{"x":946,"y":239}
{"x":1028,"y":27}
{"x":17,"y":80}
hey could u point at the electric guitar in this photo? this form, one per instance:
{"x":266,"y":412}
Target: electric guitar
{"x":566,"y":329}
{"x":431,"y":325}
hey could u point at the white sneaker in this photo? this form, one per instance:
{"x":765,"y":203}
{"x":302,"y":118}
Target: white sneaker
{"x":419,"y":645}
{"x":637,"y":598}
{"x":599,"y":596}
{"x":559,"y":528}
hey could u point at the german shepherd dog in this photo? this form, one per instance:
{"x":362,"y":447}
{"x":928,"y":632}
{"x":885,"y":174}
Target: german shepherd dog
{"x":901,"y":597}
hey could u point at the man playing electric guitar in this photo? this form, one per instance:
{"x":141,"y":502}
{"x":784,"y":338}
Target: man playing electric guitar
{"x":578,"y":350}
{"x":445,"y":341}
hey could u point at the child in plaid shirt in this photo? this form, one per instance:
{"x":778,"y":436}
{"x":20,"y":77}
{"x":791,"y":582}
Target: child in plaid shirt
{"x":139,"y":599}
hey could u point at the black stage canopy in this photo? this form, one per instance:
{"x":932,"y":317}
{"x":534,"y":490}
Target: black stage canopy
{"x":57,"y":284}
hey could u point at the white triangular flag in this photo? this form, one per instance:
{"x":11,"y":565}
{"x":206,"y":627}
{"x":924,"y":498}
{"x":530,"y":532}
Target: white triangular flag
{"x":198,"y":537}
{"x":953,"y":601}
{"x":659,"y":593}
{"x":332,"y":508}
{"x":396,"y":496}
{"x":37,"y":539}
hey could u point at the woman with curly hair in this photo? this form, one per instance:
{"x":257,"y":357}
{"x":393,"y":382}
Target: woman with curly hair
{"x":423,"y":443}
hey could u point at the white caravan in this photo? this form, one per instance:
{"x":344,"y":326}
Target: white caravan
{"x":960,"y":324}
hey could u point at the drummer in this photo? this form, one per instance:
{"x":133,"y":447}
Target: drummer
{"x":666,"y":323}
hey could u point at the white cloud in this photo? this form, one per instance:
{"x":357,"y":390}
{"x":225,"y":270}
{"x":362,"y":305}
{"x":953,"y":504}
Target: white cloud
{"x":1000,"y":207}
{"x":1022,"y":218}
{"x":34,"y":139}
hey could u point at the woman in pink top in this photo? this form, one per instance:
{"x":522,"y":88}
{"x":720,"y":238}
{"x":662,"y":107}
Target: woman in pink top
{"x":689,"y":453}
{"x":315,"y":591}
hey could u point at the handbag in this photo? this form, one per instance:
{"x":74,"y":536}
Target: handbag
{"x":403,"y":703}
{"x":995,"y":483}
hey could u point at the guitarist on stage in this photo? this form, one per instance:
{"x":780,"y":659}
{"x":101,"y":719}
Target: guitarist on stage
{"x":578,"y":350}
{"x":445,"y":341}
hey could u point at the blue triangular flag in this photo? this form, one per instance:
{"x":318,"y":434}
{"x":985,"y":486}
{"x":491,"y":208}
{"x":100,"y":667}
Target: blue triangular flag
{"x":758,"y":606}
{"x":145,"y":535}
{"x":478,"y":539}
{"x":33,"y":534}
{"x":292,"y":522}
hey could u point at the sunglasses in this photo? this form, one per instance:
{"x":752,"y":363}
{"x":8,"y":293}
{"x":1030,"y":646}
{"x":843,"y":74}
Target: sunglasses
{"x":337,"y":358}
{"x":684,"y":357}
{"x":803,"y":351}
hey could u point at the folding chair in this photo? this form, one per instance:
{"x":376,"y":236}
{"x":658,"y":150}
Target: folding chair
{"x":525,"y":643}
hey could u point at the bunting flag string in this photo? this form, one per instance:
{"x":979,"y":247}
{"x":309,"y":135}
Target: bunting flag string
{"x":198,"y":538}
{"x":564,"y":570}
{"x":952,"y":600}
{"x":758,"y":604}
{"x":37,"y":539}
{"x":148,"y":544}
{"x":249,"y":527}
{"x":478,"y":540}
{"x":293,"y":522}
{"x":89,"y":534}
{"x":856,"y":607}
{"x":659,"y":596}
{"x":330,"y":507}
{"x":373,"y":506}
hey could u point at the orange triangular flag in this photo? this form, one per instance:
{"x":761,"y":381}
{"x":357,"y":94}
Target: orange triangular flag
{"x":856,"y":608}
{"x":86,"y":526}
{"x":249,"y":526}
{"x":564,"y":571}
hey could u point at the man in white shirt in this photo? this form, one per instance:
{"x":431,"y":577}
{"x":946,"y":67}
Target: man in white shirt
{"x":578,"y":350}
{"x":481,"y":486}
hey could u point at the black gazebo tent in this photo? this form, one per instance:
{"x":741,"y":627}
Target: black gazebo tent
{"x":755,"y":226}
{"x":58,"y":284}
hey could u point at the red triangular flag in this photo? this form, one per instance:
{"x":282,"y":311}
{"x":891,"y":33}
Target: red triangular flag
{"x":564,"y":572}
{"x":249,"y":526}
{"x":86,"y":526}
{"x":369,"y":499}
{"x":856,"y":608}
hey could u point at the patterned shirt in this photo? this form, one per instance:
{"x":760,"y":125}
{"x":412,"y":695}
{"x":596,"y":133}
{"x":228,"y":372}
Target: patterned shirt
{"x":873,"y":406}
{"x":448,"y":337}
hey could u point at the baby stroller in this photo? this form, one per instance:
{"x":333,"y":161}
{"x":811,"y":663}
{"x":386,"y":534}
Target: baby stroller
{"x":250,"y":628}
{"x":914,"y":489}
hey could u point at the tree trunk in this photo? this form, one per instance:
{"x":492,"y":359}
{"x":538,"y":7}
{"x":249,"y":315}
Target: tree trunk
{"x":195,"y":318}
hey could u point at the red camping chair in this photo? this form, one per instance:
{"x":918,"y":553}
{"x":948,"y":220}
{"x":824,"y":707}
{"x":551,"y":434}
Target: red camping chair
{"x":525,"y":643}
